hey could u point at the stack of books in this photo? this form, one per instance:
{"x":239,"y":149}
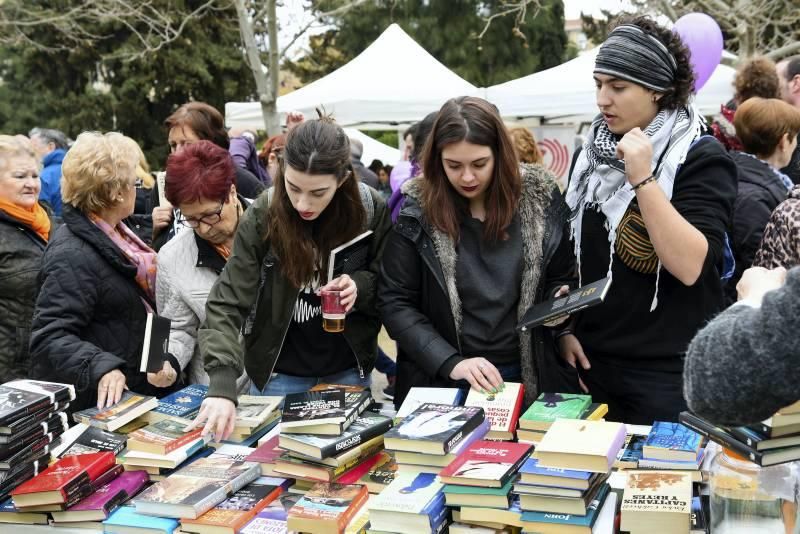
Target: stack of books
{"x":566,"y":486}
{"x":673,"y":446}
{"x":657,"y":501}
{"x":482,"y":477}
{"x":326,"y":436}
{"x":501,"y":409}
{"x":551,"y":406}
{"x":130,"y":406}
{"x":32,"y":418}
{"x":327,"y":508}
{"x":432,"y":435}
{"x":411,"y":504}
{"x":255,"y":417}
{"x":771,"y":442}
{"x":181,"y":405}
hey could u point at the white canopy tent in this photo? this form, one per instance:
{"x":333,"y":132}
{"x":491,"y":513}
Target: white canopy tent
{"x":374,"y":149}
{"x":394,"y":81}
{"x":566,"y":93}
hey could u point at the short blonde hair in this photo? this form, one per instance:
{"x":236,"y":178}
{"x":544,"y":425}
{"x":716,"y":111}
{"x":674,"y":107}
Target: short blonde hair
{"x":96,"y":168}
{"x":14,"y":145}
{"x":762,"y":122}
{"x":525,"y":145}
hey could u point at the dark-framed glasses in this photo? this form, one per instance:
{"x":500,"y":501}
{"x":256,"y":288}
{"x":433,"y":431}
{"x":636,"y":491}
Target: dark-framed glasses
{"x":209,"y":218}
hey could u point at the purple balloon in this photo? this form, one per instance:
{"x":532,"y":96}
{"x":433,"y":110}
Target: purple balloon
{"x":702,"y":35}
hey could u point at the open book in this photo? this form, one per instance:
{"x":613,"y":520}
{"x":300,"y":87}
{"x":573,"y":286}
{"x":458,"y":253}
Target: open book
{"x":350,"y":257}
{"x":574,"y":301}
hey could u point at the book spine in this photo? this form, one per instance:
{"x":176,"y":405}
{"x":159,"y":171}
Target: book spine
{"x":349,"y":442}
{"x":354,"y":507}
{"x":457,"y":436}
{"x":75,"y":485}
{"x":181,"y":441}
{"x":715,"y":434}
{"x":514,"y":416}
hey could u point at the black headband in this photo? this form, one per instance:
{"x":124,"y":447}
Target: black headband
{"x":633,"y":55}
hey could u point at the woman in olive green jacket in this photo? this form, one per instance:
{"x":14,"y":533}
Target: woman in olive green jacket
{"x":269,"y":290}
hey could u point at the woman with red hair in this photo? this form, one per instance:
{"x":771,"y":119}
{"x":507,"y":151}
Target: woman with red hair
{"x":201,"y":183}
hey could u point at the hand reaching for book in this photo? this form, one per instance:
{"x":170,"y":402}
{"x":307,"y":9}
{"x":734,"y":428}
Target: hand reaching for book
{"x":572,"y":352}
{"x":480,"y":373}
{"x":219,"y":416}
{"x":110,"y":388}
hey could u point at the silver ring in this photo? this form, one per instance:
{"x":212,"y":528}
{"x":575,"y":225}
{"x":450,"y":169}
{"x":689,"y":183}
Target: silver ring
{"x":481,"y":366}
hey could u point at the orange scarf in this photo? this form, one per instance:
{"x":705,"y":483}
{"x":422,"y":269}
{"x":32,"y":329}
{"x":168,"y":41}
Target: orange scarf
{"x":223,"y":251}
{"x":36,"y":218}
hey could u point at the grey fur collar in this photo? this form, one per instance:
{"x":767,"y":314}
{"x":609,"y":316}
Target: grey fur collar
{"x":537,"y":190}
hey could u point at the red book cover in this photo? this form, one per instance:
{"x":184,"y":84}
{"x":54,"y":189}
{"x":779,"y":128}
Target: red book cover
{"x":486,"y":463}
{"x":353,"y":475}
{"x":266,"y":453}
{"x":66,"y":476}
{"x":501,"y":408}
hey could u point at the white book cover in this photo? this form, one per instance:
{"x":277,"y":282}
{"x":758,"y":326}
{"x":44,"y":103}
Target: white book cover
{"x":417,"y":396}
{"x":408,"y":493}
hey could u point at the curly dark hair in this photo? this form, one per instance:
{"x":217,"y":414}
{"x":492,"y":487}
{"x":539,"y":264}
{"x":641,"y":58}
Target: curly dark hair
{"x":677,"y":96}
{"x":756,"y":77}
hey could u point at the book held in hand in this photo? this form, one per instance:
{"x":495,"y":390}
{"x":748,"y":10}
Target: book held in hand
{"x":129,"y":407}
{"x":501,"y":408}
{"x":486,"y":463}
{"x":434,"y":428}
{"x":350,"y":257}
{"x":156,"y":343}
{"x":560,"y":307}
{"x":326,"y":508}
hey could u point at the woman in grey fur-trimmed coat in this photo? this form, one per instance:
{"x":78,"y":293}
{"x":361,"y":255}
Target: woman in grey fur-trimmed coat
{"x":479,"y":240}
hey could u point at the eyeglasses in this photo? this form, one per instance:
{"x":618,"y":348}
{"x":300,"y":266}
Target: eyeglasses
{"x":210,"y":218}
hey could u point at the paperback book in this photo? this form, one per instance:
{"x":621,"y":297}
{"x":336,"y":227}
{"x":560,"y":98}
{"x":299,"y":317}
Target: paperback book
{"x":533,"y":473}
{"x":183,"y":404}
{"x":551,"y":406}
{"x":126,"y":520}
{"x":437,"y":460}
{"x":363,"y":429}
{"x":156,"y":343}
{"x":560,"y":307}
{"x":421,"y":395}
{"x":672,"y":441}
{"x":410,"y":504}
{"x":581,"y":445}
{"x":162,"y":437}
{"x":434,"y":428}
{"x":355,"y":402}
{"x":381,"y":474}
{"x":130,"y":406}
{"x":457,"y":495}
{"x":487,"y":464}
{"x":657,"y":501}
{"x":10,"y":514}
{"x":327,"y":507}
{"x":350,"y":257}
{"x":501,"y":408}
{"x":19,"y":398}
{"x":555,"y":522}
{"x":89,"y":439}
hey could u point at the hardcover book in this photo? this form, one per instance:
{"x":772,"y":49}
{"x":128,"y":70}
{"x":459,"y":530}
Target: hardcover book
{"x":125,"y":520}
{"x":533,"y":473}
{"x":195,"y":489}
{"x":63,"y":479}
{"x":551,"y":406}
{"x":20,"y":473}
{"x":232,"y":514}
{"x":434,"y":428}
{"x":162,"y":437}
{"x":420,"y":395}
{"x":130,"y":406}
{"x":486,"y":463}
{"x":91,"y":439}
{"x":106,"y":499}
{"x":552,"y":522}
{"x":156,"y":343}
{"x":581,"y":445}
{"x":327,"y":507}
{"x":364,"y":428}
{"x":350,"y":257}
{"x":183,"y":404}
{"x":19,"y":398}
{"x":501,"y":408}
{"x":657,"y":501}
{"x":560,"y":307}
{"x":672,"y":441}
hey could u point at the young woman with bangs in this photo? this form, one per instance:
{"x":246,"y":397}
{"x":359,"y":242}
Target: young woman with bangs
{"x":479,"y":240}
{"x":269,"y":289}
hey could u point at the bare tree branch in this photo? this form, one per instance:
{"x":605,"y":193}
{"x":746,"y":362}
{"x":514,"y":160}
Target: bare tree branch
{"x":517,"y":8}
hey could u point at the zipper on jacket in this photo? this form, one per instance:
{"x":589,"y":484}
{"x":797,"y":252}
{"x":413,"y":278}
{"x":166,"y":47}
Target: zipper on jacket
{"x":358,"y":363}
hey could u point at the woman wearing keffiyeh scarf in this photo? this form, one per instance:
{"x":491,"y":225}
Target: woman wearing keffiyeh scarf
{"x":650,"y":200}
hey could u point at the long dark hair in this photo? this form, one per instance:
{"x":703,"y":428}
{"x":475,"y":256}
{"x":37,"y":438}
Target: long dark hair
{"x":476,"y":121}
{"x":315,"y":147}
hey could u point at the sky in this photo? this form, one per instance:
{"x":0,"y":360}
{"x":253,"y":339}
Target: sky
{"x":573,"y":8}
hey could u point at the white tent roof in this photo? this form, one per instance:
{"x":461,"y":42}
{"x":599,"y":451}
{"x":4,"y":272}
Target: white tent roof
{"x":566,"y":93}
{"x":394,"y":80}
{"x":374,"y":149}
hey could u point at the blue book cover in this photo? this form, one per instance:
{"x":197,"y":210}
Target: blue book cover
{"x":410,"y":493}
{"x":126,"y":517}
{"x":586,"y":521}
{"x":184,"y":403}
{"x":531,"y":467}
{"x":673,"y":437}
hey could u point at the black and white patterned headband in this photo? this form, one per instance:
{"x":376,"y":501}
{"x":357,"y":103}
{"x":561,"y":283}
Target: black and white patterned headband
{"x":633,"y":55}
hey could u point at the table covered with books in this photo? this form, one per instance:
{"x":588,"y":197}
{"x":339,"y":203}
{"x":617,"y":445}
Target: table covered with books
{"x":334,"y":460}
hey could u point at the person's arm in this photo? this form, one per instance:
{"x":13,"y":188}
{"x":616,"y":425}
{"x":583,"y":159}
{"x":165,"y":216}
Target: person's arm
{"x":183,"y":321}
{"x":399,"y":301}
{"x":742,"y":367}
{"x":230,"y":301}
{"x":65,"y":306}
{"x":683,"y":248}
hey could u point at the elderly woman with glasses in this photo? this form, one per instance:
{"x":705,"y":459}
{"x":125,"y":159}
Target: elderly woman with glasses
{"x":98,"y":281}
{"x":201,"y":183}
{"x":24,"y":231}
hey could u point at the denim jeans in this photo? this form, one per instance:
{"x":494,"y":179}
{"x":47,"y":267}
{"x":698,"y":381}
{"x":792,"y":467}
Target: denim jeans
{"x":280,"y":384}
{"x":385,"y":364}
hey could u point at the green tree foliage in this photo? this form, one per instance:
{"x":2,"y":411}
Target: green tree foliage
{"x":98,"y":87}
{"x":449,"y":31}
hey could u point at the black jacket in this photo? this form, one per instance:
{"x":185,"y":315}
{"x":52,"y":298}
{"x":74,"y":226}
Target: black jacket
{"x":792,"y":170}
{"x":759,"y":192}
{"x":90,"y":315}
{"x":417,"y":294}
{"x":21,"y":250}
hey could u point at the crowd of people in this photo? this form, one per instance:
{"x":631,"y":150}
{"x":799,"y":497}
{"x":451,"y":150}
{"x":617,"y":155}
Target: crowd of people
{"x":469,"y":231}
